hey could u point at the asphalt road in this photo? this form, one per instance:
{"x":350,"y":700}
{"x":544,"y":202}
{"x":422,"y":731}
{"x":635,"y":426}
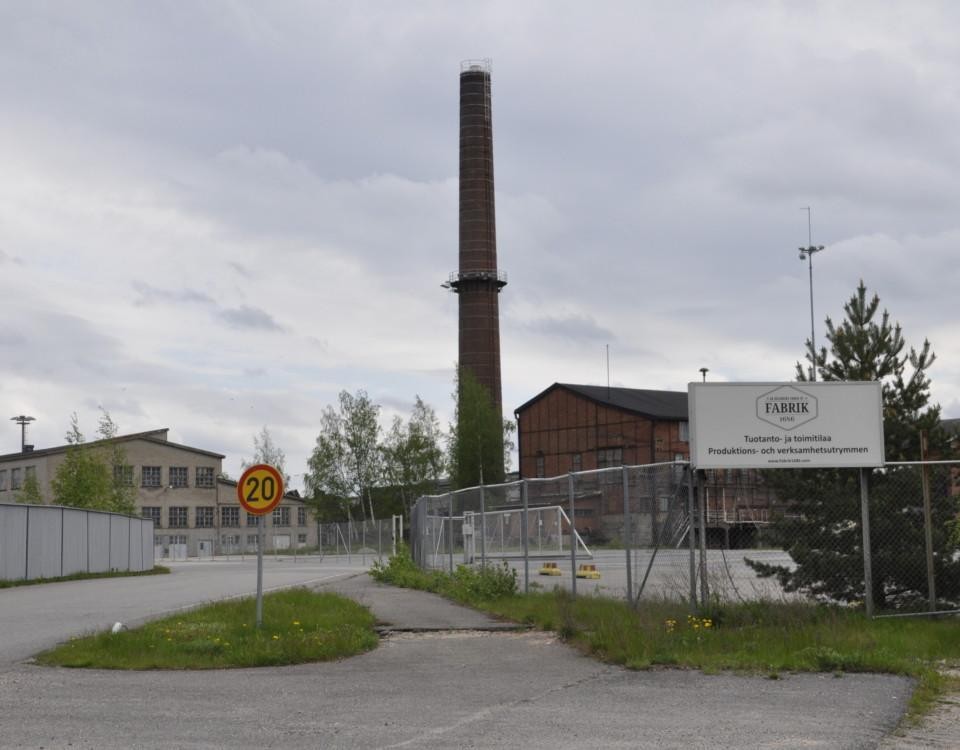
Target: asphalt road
{"x":453,"y":683}
{"x":33,"y":618}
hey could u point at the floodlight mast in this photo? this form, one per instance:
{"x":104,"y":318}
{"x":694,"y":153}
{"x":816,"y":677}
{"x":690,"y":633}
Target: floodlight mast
{"x":806,"y":254}
{"x":23,"y":420}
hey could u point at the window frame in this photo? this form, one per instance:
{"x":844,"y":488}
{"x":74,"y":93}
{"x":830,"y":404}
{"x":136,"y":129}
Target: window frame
{"x":171,"y":524}
{"x":204,"y":517}
{"x":182,"y":475}
{"x":207,"y":480}
{"x":150,"y":473}
{"x":229,"y":517}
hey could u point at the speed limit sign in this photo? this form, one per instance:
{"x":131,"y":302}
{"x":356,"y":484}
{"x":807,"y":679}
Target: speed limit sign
{"x":260,"y":489}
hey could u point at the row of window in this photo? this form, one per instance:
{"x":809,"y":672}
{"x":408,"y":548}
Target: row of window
{"x":204,"y":516}
{"x":150,"y":476}
{"x":178,"y":477}
{"x":17,"y":477}
{"x":227,"y":540}
{"x":606,"y":458}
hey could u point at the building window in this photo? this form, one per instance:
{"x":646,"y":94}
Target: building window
{"x":541,"y":465}
{"x":205,"y":477}
{"x":230,"y":517}
{"x":178,"y":476}
{"x":281,"y":516}
{"x":301,"y":516}
{"x":301,"y":538}
{"x":252,"y":519}
{"x":30,"y":473}
{"x":204,"y":517}
{"x":153,"y":513}
{"x":177,"y":517}
{"x":150,"y":476}
{"x":123,"y":476}
{"x":3,"y":480}
{"x":178,"y":538}
{"x":252,"y":540}
{"x":16,"y":480}
{"x":576,"y":462}
{"x":607,"y":457}
{"x":685,"y":432}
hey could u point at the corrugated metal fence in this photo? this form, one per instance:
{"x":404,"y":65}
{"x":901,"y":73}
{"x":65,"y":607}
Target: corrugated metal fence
{"x":48,"y":541}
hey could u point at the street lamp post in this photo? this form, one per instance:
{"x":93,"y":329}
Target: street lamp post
{"x":23,"y":420}
{"x":806,"y":254}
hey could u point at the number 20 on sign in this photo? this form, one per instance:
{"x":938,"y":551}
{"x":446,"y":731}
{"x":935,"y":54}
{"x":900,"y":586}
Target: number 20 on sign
{"x":260,"y":489}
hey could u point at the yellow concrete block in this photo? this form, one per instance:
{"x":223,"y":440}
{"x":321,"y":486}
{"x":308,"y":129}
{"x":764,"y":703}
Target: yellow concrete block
{"x":588,"y":570}
{"x":550,"y":569}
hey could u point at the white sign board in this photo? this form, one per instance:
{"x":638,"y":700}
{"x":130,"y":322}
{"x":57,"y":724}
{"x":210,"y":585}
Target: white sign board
{"x":785,"y":425}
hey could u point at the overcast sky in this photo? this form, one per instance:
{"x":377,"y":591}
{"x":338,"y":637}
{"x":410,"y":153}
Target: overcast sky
{"x":215,"y":216}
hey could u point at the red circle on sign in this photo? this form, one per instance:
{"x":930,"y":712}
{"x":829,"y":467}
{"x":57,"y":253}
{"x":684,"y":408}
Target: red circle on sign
{"x":260,"y":489}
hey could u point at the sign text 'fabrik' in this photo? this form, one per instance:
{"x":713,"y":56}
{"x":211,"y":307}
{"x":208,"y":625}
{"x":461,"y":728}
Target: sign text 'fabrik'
{"x":785,"y":425}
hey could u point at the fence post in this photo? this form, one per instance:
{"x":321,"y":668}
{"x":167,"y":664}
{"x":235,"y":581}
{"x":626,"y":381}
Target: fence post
{"x":928,"y":522}
{"x":627,"y":534}
{"x":573,"y":537}
{"x":702,"y":498}
{"x":61,"y":539}
{"x":524,"y":529}
{"x":363,"y":542}
{"x":865,"y":528}
{"x":691,"y":539}
{"x":26,"y":549}
{"x":450,"y":535}
{"x":483,"y":528}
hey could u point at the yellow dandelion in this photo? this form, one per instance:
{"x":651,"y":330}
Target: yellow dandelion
{"x":296,"y":622}
{"x":276,"y":637}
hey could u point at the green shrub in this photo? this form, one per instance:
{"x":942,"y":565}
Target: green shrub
{"x":466,"y":584}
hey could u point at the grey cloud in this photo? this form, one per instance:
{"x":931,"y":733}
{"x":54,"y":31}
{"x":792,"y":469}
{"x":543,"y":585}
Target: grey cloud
{"x":151,"y":295}
{"x":575,"y":327}
{"x":249,"y":317}
{"x":240,"y":269}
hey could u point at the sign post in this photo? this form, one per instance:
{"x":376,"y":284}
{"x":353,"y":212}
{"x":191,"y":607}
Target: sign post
{"x":259,"y":491}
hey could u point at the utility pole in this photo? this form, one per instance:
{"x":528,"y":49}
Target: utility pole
{"x":807,"y":253}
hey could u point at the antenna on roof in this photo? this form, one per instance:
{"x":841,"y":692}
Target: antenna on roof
{"x":608,"y":372}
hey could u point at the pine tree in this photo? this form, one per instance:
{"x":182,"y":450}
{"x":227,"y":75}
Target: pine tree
{"x":822,"y":533}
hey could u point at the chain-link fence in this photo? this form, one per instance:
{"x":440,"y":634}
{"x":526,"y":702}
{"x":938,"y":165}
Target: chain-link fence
{"x":660,"y":531}
{"x":624,"y":531}
{"x":365,"y":540}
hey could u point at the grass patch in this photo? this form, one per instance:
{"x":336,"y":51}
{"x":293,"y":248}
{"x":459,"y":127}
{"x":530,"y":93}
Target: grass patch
{"x":298,"y":626}
{"x":156,"y":570}
{"x":472,"y":586}
{"x":765,"y":637}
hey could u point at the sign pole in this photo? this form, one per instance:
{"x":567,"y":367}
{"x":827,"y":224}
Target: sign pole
{"x":259,"y":571}
{"x":865,"y":530}
{"x":259,"y":491}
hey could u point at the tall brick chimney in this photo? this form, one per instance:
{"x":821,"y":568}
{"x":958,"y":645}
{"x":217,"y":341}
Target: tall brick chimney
{"x":478,"y":282}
